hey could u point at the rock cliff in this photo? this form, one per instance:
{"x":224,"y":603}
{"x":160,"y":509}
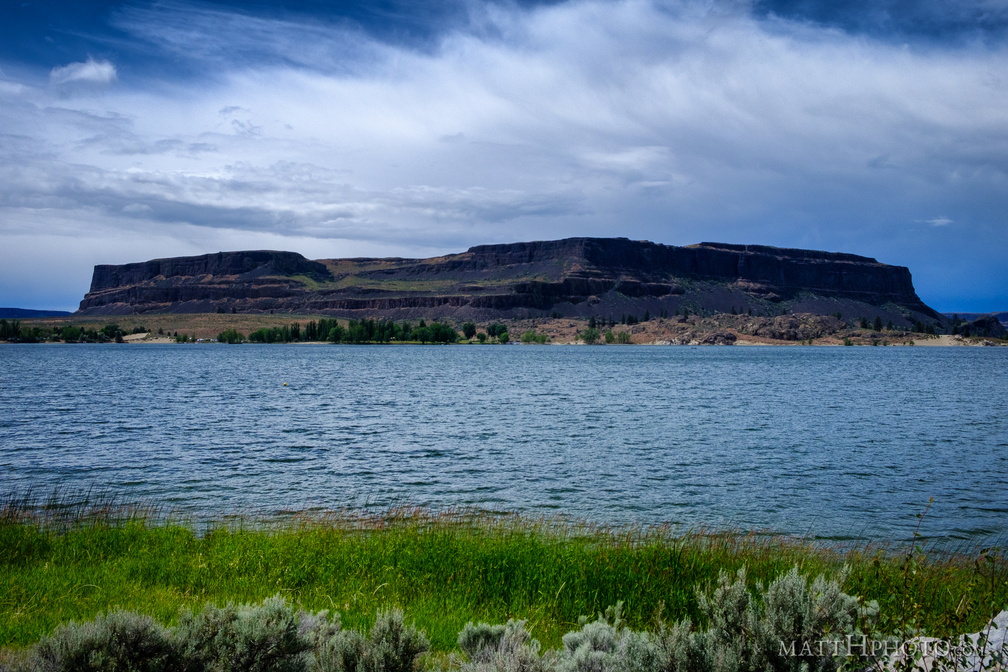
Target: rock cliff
{"x":574,"y":277}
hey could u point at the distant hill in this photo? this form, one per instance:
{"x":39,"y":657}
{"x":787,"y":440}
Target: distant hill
{"x":27,"y":313}
{"x":574,"y":277}
{"x":970,"y":317}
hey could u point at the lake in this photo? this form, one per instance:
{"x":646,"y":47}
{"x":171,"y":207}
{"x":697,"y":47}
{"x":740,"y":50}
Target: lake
{"x":831,"y":442}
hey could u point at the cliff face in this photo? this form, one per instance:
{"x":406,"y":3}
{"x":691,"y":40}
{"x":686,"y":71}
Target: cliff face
{"x":203,"y":283}
{"x":570,"y":277}
{"x":244,"y":265}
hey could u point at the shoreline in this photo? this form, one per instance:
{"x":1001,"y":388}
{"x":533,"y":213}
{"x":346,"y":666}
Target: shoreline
{"x":941,"y":341}
{"x":692,"y":330}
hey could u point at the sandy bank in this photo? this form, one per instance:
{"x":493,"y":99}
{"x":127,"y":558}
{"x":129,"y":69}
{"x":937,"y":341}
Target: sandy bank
{"x":947,"y":340}
{"x":147,"y":337}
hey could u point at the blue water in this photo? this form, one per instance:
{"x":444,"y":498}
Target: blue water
{"x":830,"y":442}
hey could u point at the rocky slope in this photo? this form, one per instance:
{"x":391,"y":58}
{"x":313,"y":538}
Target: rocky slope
{"x":574,"y":277}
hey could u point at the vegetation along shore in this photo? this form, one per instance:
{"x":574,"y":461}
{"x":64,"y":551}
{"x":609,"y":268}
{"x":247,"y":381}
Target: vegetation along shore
{"x":426,"y":575}
{"x":685,"y":328}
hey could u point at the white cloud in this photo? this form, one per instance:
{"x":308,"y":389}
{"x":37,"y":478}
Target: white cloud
{"x":90,"y":72}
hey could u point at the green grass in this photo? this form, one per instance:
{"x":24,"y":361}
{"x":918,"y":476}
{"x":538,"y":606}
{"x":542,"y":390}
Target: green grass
{"x":444,"y":569}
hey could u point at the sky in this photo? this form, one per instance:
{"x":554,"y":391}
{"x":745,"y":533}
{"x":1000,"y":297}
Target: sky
{"x":134,"y":130}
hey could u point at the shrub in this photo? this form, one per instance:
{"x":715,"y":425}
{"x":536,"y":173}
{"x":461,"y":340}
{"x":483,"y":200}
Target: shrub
{"x":532,"y":336}
{"x":119,"y":641}
{"x":606,"y":644}
{"x":346,"y":651}
{"x":500,"y":648}
{"x":393,"y":645}
{"x":781,"y":630}
{"x":778,"y":629}
{"x":475,"y":640}
{"x":774,"y":629}
{"x":318,"y":628}
{"x":252,"y":638}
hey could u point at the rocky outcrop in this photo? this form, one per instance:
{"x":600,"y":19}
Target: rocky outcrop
{"x":574,"y":277}
{"x":987,"y":326}
{"x":791,"y":327}
{"x":243,"y":266}
{"x":208,"y":280}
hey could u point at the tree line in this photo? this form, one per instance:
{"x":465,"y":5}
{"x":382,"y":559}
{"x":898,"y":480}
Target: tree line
{"x":356,"y":331}
{"x":14,"y":331}
{"x":372,"y":331}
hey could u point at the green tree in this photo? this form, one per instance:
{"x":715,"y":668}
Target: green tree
{"x":481,"y":337}
{"x":112,"y":332}
{"x":590,"y":336}
{"x":71,"y":334}
{"x":503,"y":337}
{"x":468,"y":330}
{"x":532,"y":336}
{"x":10,"y":330}
{"x":441,"y":332}
{"x":495,"y":329}
{"x":230,"y":336}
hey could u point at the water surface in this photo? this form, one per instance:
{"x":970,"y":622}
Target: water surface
{"x":831,"y":442}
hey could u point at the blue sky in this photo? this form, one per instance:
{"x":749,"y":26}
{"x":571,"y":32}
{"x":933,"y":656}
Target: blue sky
{"x":136,"y":130}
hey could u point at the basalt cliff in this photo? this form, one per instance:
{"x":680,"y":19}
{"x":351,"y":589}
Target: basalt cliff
{"x":574,"y":277}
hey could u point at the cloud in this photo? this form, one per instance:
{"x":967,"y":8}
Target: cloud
{"x":202,"y":34}
{"x":671,"y":120}
{"x":930,"y":20}
{"x":89,"y":73}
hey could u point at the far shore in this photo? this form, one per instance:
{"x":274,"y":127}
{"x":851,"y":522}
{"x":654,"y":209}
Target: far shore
{"x":944,"y":340}
{"x":716,"y":329}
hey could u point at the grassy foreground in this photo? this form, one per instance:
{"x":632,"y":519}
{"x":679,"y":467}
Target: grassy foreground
{"x":442,"y":569}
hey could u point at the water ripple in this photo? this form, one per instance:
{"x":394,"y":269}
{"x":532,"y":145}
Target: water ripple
{"x":838,"y":442}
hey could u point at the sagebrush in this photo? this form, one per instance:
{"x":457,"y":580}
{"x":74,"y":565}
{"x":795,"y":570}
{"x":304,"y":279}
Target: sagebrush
{"x":742,"y":627}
